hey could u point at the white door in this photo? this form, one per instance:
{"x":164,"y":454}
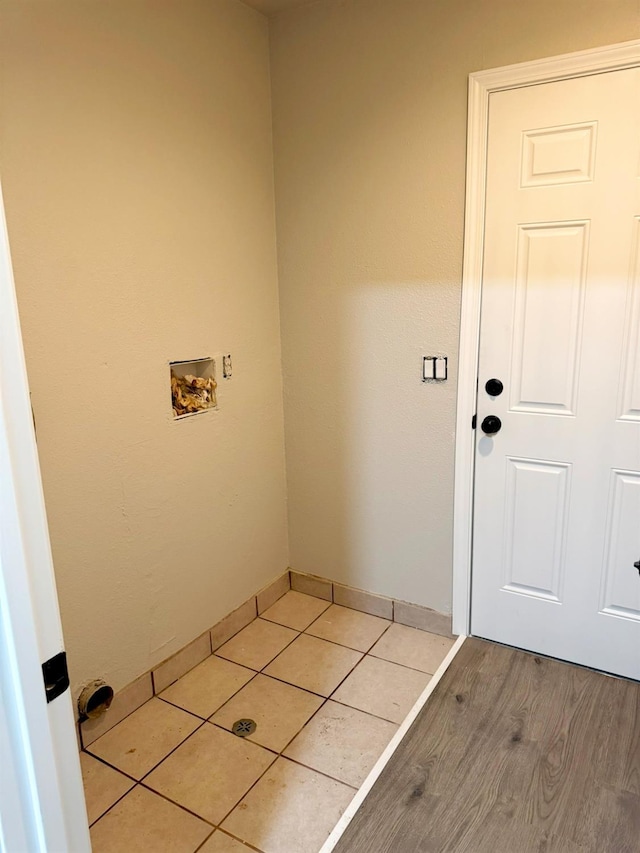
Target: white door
{"x":41,"y":799}
{"x":557,"y":489}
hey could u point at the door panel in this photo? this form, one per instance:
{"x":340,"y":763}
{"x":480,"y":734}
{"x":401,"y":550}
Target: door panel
{"x":535,"y":499}
{"x":558,"y":155}
{"x":621,"y":590}
{"x":557,"y":490}
{"x":548,"y":256}
{"x":630,"y":367}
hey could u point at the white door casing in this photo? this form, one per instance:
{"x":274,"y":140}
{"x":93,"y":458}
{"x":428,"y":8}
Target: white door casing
{"x":41,"y":798}
{"x":557,"y":490}
{"x":558,"y":476}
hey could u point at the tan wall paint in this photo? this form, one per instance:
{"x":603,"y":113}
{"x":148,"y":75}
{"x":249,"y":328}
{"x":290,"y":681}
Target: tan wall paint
{"x":274,"y":7}
{"x":135,"y":145}
{"x":369,"y":101}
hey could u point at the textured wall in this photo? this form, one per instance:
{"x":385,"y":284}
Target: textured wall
{"x":135,"y":146}
{"x":369,"y":101}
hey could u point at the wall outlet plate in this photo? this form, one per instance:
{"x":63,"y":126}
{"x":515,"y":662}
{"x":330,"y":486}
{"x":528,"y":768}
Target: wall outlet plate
{"x":227,"y":366}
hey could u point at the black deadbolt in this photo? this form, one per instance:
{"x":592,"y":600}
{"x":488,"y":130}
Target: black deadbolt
{"x":491,"y":425}
{"x":637,"y":565}
{"x":494,"y":387}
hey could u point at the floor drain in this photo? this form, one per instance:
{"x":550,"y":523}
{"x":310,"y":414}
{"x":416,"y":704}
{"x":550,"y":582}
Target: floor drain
{"x":242,"y":728}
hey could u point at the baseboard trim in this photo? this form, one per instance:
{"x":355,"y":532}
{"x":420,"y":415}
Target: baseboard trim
{"x":403,"y":612}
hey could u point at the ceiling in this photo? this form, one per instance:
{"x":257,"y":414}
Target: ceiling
{"x":272,"y":7}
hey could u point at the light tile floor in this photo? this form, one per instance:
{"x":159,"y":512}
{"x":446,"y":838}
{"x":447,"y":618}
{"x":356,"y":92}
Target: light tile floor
{"x":327,"y":687}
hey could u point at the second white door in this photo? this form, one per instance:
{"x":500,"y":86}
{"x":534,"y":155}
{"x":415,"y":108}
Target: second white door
{"x":557,"y":488}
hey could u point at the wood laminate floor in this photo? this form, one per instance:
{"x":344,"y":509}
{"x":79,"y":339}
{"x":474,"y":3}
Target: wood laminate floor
{"x":513,"y":753}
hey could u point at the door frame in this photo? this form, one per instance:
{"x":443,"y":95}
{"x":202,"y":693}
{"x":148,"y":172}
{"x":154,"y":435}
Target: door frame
{"x":481,"y":85}
{"x":42,"y":805}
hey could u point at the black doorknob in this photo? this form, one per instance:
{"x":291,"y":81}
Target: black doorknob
{"x":494,"y":387}
{"x":637,"y":565}
{"x":491,"y":425}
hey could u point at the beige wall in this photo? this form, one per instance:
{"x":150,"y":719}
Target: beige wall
{"x":369,"y":128}
{"x":135,"y":148}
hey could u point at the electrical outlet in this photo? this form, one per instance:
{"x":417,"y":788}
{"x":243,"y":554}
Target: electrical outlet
{"x":227,"y":366}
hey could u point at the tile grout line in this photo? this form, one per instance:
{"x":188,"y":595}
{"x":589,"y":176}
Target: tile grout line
{"x":362,"y":657}
{"x":218,"y":655}
{"x":171,"y":751}
{"x":180,"y":708}
{"x":140,"y":784}
{"x":106,"y":811}
{"x":312,"y":717}
{"x":289,"y":684}
{"x":237,"y":838}
{"x":227,"y":834}
{"x":179,"y":805}
{"x":301,"y":689}
{"x":204,"y":723}
{"x":253,"y":742}
{"x":300,"y":630}
{"x":233,"y":695}
{"x":319,"y":772}
{"x":302,"y":728}
{"x":113,"y":805}
{"x":362,"y":654}
{"x":344,"y":645}
{"x":368,"y":713}
{"x":208,"y":838}
{"x":351,"y":671}
{"x":111,"y":767}
{"x":246,"y":793}
{"x":403,"y":665}
{"x":284,"y":758}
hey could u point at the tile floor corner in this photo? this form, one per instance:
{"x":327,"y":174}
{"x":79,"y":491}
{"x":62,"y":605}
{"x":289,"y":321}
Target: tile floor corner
{"x":326,"y":685}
